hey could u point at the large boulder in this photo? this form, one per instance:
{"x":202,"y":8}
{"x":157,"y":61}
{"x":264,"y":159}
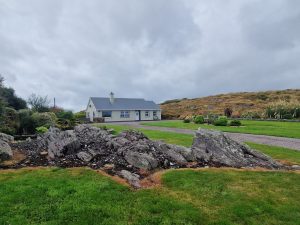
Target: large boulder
{"x":5,"y":151}
{"x":59,"y":143}
{"x":216,"y":149}
{"x":141,"y":160}
{"x":6,"y":137}
{"x":132,"y":178}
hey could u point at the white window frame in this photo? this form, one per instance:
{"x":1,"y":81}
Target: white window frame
{"x":147,"y":113}
{"x":124,"y":114}
{"x":154,"y":113}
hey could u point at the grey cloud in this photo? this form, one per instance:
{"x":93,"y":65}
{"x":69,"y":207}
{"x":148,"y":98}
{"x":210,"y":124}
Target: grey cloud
{"x":156,"y":49}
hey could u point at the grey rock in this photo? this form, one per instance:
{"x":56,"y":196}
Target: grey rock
{"x":5,"y":151}
{"x":133,"y":179}
{"x":141,"y":160}
{"x":295,"y":167}
{"x":84,"y":156}
{"x":6,"y":138}
{"x":216,"y":149}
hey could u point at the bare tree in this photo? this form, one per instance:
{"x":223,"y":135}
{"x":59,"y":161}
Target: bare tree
{"x":39,"y":103}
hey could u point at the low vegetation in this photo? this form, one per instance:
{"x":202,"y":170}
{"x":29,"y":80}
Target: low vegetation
{"x":17,"y":118}
{"x":243,"y":105}
{"x":207,"y":196}
{"x":272,"y":128}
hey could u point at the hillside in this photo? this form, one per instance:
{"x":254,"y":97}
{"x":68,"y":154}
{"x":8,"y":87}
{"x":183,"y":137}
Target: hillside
{"x":240,"y":103}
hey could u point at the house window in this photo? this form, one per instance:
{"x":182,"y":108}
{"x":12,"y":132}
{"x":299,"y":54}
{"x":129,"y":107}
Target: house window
{"x":154,"y":113}
{"x":106,"y":113}
{"x":125,"y":114}
{"x":147,"y":113}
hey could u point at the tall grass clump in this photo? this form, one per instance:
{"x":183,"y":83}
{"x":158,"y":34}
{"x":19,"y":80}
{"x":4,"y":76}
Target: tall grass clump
{"x":283,"y":110}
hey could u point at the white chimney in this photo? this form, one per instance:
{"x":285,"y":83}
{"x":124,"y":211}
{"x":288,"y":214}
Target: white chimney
{"x":111,"y":97}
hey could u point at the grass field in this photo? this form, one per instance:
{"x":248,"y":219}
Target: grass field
{"x":272,"y":128}
{"x":285,"y":155}
{"x":208,"y":196}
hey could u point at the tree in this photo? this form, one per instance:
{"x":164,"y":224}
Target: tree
{"x":228,"y":112}
{"x":39,"y":103}
{"x":1,"y":80}
{"x":9,"y":97}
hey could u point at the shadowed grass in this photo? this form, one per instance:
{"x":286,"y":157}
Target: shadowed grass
{"x":272,"y":128}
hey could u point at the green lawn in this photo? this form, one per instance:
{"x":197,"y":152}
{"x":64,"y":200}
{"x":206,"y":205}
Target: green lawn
{"x":215,"y":196}
{"x":272,"y":128}
{"x":279,"y":153}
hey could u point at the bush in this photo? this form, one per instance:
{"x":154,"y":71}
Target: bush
{"x":46,"y":119}
{"x":26,"y":122}
{"x":41,"y":130}
{"x":80,"y":115}
{"x":287,"y":116}
{"x":228,"y":112}
{"x":235,"y":123}
{"x":199,"y":119}
{"x":211,"y":118}
{"x":66,"y":120}
{"x":9,"y":123}
{"x":221,"y":121}
{"x":186,"y":120}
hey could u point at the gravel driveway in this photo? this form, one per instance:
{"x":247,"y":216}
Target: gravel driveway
{"x":292,"y":143}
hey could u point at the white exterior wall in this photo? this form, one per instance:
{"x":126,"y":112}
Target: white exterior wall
{"x":116,"y":116}
{"x":90,"y":110}
{"x":150,"y":117}
{"x":92,"y":113}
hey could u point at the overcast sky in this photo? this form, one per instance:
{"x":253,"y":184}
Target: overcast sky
{"x":154,"y":49}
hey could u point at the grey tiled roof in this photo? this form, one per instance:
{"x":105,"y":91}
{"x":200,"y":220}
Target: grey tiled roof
{"x":124,"y":104}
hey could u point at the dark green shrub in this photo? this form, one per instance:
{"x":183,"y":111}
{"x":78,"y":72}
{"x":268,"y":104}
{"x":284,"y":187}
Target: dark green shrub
{"x":41,"y":130}
{"x":9,"y":123}
{"x":287,"y":116}
{"x":186,"y":120}
{"x":80,"y":115}
{"x":228,"y":112}
{"x":221,"y":121}
{"x":199,"y":119}
{"x":235,"y":123}
{"x":211,"y":118}
{"x":26,"y":122}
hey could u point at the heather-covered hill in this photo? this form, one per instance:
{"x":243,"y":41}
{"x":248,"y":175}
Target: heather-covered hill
{"x":241,"y":103}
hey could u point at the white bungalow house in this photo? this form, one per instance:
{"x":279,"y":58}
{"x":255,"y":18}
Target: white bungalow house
{"x":121,"y":109}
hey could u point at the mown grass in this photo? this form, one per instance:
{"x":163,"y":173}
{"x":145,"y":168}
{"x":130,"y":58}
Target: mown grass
{"x":215,"y":196}
{"x":272,"y":128}
{"x":168,"y":137}
{"x":279,"y":153}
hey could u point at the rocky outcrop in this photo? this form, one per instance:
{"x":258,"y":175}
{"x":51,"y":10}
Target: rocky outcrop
{"x":216,"y":149}
{"x":6,"y":138}
{"x":5,"y":150}
{"x":132,"y":155}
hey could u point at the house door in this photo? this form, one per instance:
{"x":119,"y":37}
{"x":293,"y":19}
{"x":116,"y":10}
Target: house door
{"x":137,"y":115}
